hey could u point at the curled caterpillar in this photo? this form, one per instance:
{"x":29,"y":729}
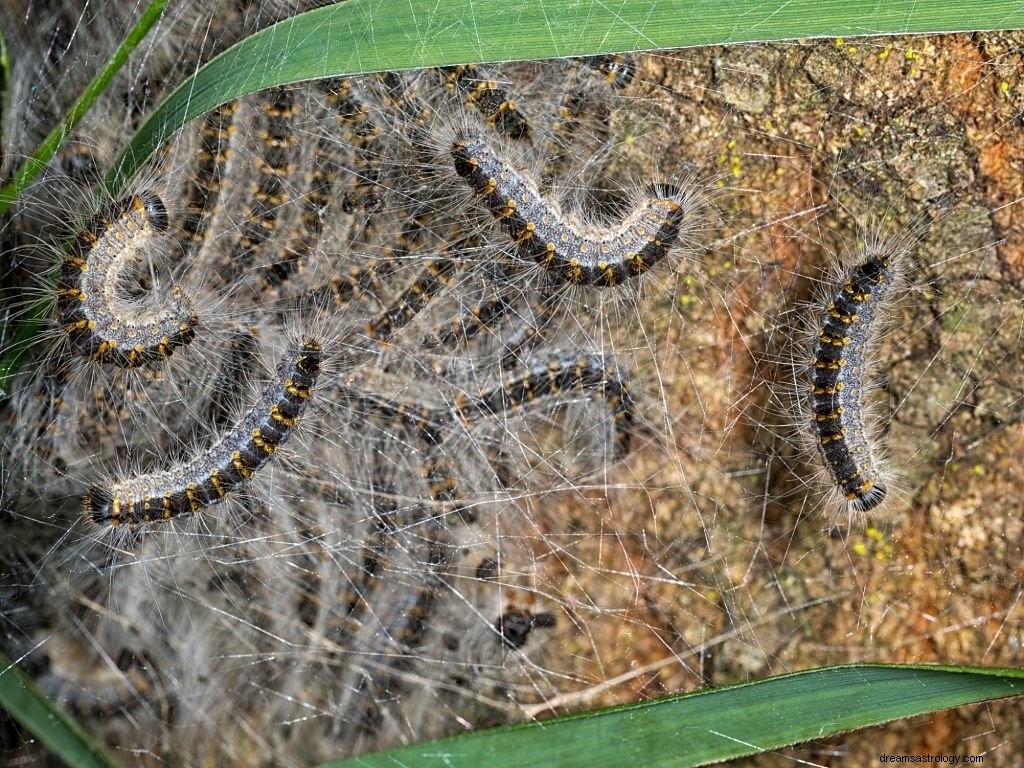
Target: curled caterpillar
{"x":100,"y":323}
{"x":227,"y":464}
{"x":542,"y":232}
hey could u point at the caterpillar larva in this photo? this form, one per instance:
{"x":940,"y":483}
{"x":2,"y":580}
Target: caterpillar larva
{"x":205,"y":183}
{"x":435,"y":276}
{"x":839,"y":380}
{"x":271,"y":189}
{"x":542,"y":232}
{"x":100,"y":322}
{"x":560,"y":376}
{"x":227,"y":464}
{"x":490,"y":99}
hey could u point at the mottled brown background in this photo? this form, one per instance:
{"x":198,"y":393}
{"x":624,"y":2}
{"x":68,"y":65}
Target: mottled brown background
{"x":723,"y":566}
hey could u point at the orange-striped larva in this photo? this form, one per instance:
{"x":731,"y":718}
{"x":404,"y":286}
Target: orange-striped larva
{"x":517,"y":323}
{"x":204,"y":185}
{"x":492,"y":100}
{"x":100,"y":322}
{"x":461,"y":328}
{"x":616,"y":72}
{"x":436,"y":275}
{"x":272,"y":188}
{"x":227,"y":464}
{"x":838,"y":374}
{"x":542,"y":232}
{"x":560,"y":376}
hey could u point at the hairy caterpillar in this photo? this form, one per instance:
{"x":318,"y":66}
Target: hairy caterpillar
{"x":839,"y":385}
{"x":97,"y":318}
{"x":561,"y":376}
{"x":231,"y":461}
{"x":839,"y":379}
{"x":542,"y":232}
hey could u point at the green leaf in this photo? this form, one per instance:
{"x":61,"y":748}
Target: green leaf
{"x":62,"y":735}
{"x":697,"y":729}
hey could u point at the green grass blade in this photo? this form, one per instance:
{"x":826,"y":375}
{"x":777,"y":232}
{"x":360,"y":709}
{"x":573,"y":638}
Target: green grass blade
{"x":62,"y":735}
{"x":31,"y":168}
{"x":723,"y":724}
{"x":361,"y":36}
